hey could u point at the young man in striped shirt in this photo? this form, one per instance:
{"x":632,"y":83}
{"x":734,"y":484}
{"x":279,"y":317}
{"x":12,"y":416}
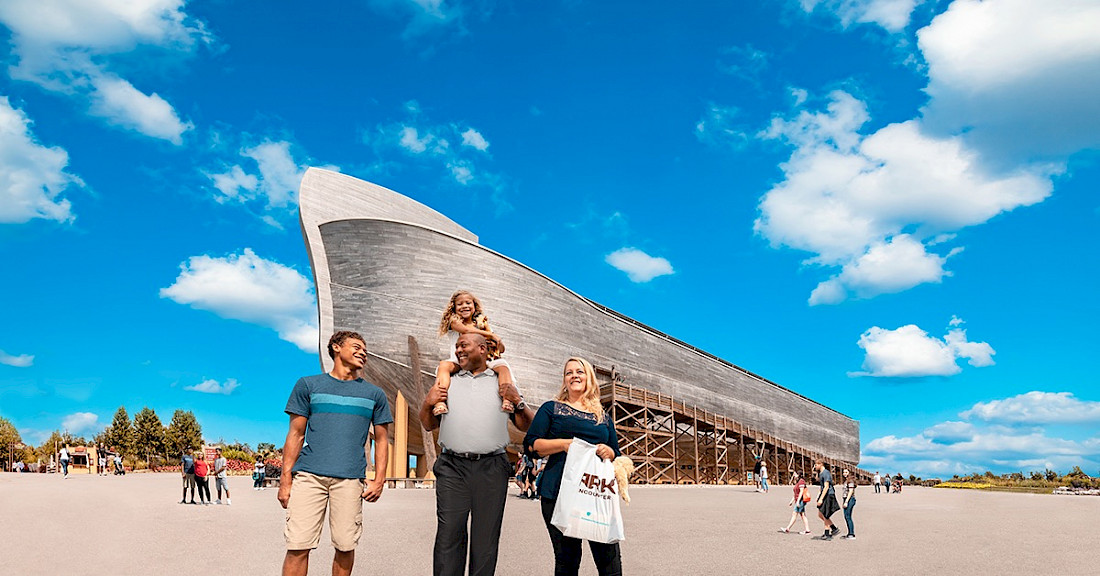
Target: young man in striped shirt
{"x":339,"y":409}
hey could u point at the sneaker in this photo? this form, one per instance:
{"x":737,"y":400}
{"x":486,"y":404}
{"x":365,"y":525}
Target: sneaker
{"x":850,"y":536}
{"x":833,"y":531}
{"x":219,"y":503}
{"x":827,"y":536}
{"x":784,"y":531}
{"x":228,"y":502}
{"x":805,"y":532}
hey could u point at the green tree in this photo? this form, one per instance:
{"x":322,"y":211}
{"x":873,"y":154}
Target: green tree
{"x":120,"y":434}
{"x":50,"y":446}
{"x":237,"y":445}
{"x":149,"y":434}
{"x":8,"y":437}
{"x":184,"y":432}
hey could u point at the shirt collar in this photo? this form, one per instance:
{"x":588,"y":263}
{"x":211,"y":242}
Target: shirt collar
{"x":487,"y":372}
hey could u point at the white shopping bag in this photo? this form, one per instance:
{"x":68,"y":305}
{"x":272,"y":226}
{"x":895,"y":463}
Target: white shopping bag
{"x":588,"y":500}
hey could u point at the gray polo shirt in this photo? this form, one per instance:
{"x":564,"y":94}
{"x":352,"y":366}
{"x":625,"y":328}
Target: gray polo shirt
{"x":473,"y":422}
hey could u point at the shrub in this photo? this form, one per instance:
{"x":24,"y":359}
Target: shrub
{"x":274,"y":466}
{"x":234,"y":454}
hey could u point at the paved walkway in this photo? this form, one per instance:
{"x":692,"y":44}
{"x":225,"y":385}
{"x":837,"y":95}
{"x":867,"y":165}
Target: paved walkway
{"x":134,"y":525}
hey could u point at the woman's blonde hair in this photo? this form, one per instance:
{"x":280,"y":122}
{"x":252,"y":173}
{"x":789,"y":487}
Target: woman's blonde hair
{"x":590,"y":400}
{"x":450,"y":314}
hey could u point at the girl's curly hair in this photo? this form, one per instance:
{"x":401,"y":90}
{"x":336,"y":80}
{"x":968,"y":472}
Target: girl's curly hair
{"x":481,"y":321}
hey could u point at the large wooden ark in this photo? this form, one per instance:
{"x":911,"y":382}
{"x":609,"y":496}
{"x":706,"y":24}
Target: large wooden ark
{"x":385,"y":266}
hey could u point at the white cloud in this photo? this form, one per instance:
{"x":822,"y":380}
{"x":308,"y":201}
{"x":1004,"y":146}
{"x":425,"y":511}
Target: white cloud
{"x":214,"y":387}
{"x":462,"y":172}
{"x":248,"y":288}
{"x":964,"y":448}
{"x":893,"y":15}
{"x":895,"y":265}
{"x":67,"y":46}
{"x":428,"y":145}
{"x":474,"y":139}
{"x":80,"y":423}
{"x":20,"y":361}
{"x":874,"y":204}
{"x":744,"y":62}
{"x":410,"y":140}
{"x":32,"y":176}
{"x":1014,"y":91}
{"x":424,"y":16}
{"x":909,"y":352}
{"x":1021,"y":78}
{"x":950,"y":432}
{"x":280,"y":176}
{"x":235,"y":184}
{"x":271,"y":182}
{"x":1037,"y":408}
{"x":639,"y":266}
{"x":118,"y":101}
{"x":719,"y":127}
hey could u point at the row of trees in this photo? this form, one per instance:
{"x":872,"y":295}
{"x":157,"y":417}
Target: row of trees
{"x":1046,"y":478}
{"x":145,"y":438}
{"x":148,"y":437}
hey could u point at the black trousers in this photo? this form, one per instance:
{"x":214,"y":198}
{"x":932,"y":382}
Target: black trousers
{"x":567,"y":551}
{"x":473,"y":490}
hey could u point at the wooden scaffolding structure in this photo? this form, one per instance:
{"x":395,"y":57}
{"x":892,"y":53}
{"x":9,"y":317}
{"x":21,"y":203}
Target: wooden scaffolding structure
{"x":672,"y":442}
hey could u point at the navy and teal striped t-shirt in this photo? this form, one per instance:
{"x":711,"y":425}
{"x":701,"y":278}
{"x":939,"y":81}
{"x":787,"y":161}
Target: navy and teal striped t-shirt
{"x":341,"y":414}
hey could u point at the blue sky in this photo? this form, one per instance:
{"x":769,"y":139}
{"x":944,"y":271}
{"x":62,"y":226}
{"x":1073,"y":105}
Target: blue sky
{"x":886,"y":205}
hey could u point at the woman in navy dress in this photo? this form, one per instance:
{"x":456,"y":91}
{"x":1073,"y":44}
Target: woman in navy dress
{"x":576,"y":412}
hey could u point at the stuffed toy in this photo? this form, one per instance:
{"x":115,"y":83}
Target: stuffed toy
{"x":624,"y":467}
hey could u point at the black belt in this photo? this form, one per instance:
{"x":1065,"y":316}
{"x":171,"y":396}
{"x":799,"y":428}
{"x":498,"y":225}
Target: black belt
{"x":472,"y":456}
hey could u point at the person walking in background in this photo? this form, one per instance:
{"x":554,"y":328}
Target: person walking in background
{"x":472,"y":470}
{"x":534,"y":468}
{"x":201,"y":468}
{"x":801,"y":497}
{"x":187,"y":471}
{"x":849,"y":503}
{"x":102,"y":466}
{"x":764,"y":477}
{"x":324,"y":457}
{"x":826,"y":500}
{"x":259,"y":472}
{"x":886,"y":482}
{"x":540,"y":468}
{"x":522,"y":463}
{"x":64,"y":459}
{"x":575,"y":412}
{"x":878,"y":483}
{"x":220,"y":480}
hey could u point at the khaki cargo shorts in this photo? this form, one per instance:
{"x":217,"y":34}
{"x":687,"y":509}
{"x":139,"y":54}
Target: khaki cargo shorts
{"x":310,"y":495}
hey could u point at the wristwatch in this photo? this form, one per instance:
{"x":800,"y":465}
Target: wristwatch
{"x":521,"y":405}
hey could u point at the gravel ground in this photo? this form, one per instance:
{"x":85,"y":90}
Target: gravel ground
{"x":134,"y":525}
